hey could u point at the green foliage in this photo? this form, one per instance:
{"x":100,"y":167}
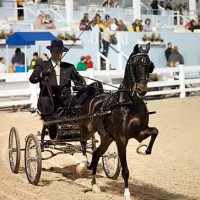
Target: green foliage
{"x":153,"y":38}
{"x":67,"y":36}
{"x":2,"y":35}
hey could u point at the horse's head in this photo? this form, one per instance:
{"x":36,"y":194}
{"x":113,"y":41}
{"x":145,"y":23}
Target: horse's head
{"x":140,"y":66}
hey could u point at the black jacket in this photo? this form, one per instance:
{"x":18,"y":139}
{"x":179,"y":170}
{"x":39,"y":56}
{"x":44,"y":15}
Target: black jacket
{"x":68,"y":73}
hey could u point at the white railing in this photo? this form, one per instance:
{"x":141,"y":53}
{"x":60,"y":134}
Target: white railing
{"x":179,"y":80}
{"x":14,"y":85}
{"x":16,"y":90}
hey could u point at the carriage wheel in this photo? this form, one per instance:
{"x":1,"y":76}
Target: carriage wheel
{"x":111,"y":162}
{"x":33,"y":159}
{"x":14,"y":150}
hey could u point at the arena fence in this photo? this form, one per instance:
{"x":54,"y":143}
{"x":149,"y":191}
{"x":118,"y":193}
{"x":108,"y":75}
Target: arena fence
{"x":15,"y":89}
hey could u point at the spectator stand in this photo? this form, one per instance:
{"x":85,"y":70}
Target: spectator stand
{"x":26,"y":39}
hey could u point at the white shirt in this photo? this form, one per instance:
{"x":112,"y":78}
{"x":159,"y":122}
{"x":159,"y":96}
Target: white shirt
{"x":57,"y":71}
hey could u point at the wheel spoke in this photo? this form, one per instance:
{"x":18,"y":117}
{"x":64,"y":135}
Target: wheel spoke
{"x":111,"y":163}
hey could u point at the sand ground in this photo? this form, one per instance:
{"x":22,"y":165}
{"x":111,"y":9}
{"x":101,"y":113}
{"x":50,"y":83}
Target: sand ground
{"x":172,"y":172}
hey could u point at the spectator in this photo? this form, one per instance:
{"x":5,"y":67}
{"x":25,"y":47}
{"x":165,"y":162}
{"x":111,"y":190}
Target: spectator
{"x":95,"y":24}
{"x":109,"y":3}
{"x":168,"y":6}
{"x":38,"y":24}
{"x":81,"y":65}
{"x":48,"y":22}
{"x":106,"y":38}
{"x":20,"y":10}
{"x":36,"y":59}
{"x":175,"y":58}
{"x":18,"y":58}
{"x":85,"y":23}
{"x":121,"y":26}
{"x":162,"y":4}
{"x":45,"y":57}
{"x":168,"y":51}
{"x":113,"y":24}
{"x":191,"y":25}
{"x":137,"y":26}
{"x":178,"y":7}
{"x":147,"y":25}
{"x":107,"y":17}
{"x":2,"y":65}
{"x":154,"y":7}
{"x":89,"y":62}
{"x":102,"y":24}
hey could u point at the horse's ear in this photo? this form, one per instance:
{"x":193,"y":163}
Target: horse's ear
{"x":136,"y":49}
{"x":148,"y":47}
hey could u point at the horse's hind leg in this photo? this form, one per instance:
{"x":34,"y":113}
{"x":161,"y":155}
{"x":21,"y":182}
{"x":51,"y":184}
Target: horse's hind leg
{"x":153,"y":133}
{"x":82,"y":166}
{"x":105,"y":142}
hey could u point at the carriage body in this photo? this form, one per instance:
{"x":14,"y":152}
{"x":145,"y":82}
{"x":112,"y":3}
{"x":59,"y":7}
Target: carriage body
{"x":64,"y":140}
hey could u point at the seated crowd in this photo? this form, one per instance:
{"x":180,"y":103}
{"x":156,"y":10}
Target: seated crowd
{"x":98,"y":24}
{"x":44,"y":22}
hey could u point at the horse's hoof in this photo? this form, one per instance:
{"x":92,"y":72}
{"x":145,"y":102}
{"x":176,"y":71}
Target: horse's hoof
{"x":128,"y":198}
{"x":96,"y":188}
{"x":127,"y":194}
{"x":81,"y":168}
{"x":141,"y":149}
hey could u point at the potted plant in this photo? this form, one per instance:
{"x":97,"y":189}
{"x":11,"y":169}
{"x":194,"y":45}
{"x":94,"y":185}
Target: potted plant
{"x":68,"y":38}
{"x":4,"y":36}
{"x":152,"y":38}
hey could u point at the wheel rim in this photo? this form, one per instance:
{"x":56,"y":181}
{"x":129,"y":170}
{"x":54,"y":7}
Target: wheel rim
{"x":111,"y":162}
{"x":14,"y":150}
{"x":32,"y":161}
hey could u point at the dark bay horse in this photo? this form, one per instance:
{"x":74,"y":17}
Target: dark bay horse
{"x":129,"y":116}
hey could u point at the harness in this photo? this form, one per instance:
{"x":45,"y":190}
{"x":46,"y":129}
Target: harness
{"x":109,"y":104}
{"x":143,"y":57}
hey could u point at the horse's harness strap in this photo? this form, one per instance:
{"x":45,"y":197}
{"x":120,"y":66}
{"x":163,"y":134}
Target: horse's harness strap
{"x":117,"y":104}
{"x":49,"y":90}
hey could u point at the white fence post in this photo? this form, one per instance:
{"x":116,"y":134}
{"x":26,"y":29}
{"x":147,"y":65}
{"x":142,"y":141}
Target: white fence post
{"x":182,"y":81}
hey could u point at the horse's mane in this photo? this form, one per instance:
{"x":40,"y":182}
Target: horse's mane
{"x":93,"y":89}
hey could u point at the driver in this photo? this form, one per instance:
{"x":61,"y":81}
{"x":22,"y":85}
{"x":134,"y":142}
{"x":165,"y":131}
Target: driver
{"x":55,"y":79}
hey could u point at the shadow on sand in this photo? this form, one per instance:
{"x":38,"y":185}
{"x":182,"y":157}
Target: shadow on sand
{"x":138,"y":189}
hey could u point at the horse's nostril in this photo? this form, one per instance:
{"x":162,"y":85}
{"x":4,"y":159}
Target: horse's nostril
{"x":141,"y":92}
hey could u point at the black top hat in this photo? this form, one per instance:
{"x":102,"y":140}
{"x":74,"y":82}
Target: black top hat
{"x":57,"y":45}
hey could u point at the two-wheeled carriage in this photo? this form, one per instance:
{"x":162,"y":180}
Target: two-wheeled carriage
{"x":63,"y":140}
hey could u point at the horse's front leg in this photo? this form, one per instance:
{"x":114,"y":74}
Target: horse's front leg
{"x":125,"y":171}
{"x":153,"y":133}
{"x":143,"y":148}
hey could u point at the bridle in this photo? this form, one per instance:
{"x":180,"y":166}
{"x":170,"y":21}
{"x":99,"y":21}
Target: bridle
{"x":144,"y":60}
{"x":134,"y":59}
